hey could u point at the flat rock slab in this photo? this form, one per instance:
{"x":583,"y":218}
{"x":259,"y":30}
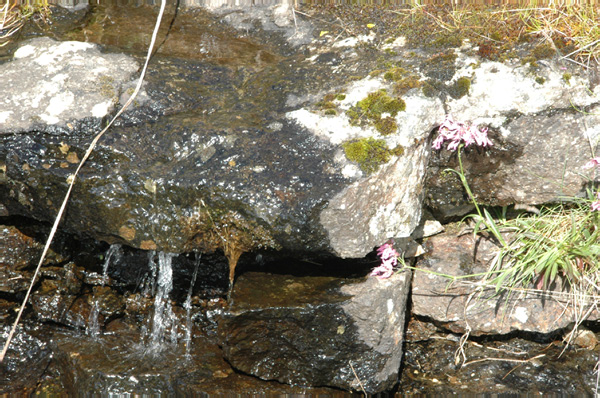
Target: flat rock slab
{"x":50,"y":82}
{"x":317,"y":331}
{"x":460,"y":306}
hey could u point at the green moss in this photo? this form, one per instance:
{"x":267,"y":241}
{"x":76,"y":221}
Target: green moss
{"x":567,"y":77}
{"x":406,"y":84}
{"x":371,"y":108}
{"x":327,"y":105}
{"x":543,"y":51}
{"x":445,"y":40}
{"x":386,"y":125}
{"x":369,"y":153}
{"x":107,"y":88}
{"x":340,"y":96}
{"x":443,"y":59}
{"x":379,"y":102}
{"x":496,"y":36}
{"x":529,"y":60}
{"x":331,"y":112}
{"x":461,"y":87}
{"x":431,"y":88}
{"x":540,"y":80}
{"x":394,"y":74}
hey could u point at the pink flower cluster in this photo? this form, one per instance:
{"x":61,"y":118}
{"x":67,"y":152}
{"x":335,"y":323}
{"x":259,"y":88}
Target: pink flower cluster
{"x":389,"y":259}
{"x":591,"y":164}
{"x":458,"y":132}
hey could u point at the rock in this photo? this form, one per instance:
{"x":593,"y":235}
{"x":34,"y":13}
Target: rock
{"x":583,"y":338}
{"x":193,"y":171}
{"x":21,"y":250}
{"x":25,"y":362}
{"x":313,"y":330}
{"x":530,"y":122}
{"x":515,"y":170}
{"x":117,"y":363}
{"x":60,"y":82}
{"x":57,"y":300}
{"x":462,"y":305}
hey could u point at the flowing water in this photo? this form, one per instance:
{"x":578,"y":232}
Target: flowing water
{"x":164,"y":322}
{"x":187,"y":305}
{"x":93,"y":326}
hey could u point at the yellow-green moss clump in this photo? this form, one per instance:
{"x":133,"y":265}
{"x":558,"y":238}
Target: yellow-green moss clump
{"x":394,"y":74}
{"x":461,"y":87}
{"x":371,"y":109}
{"x":543,"y":51}
{"x":369,"y":153}
{"x":406,"y":84}
{"x":327,"y":104}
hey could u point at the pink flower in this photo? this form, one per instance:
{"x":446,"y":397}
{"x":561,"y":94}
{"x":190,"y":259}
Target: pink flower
{"x":382,"y":272}
{"x":596,"y":205}
{"x":592,"y":163}
{"x":458,"y":132}
{"x":389,"y":259}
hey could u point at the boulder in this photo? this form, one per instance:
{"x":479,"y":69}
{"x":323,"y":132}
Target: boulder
{"x":541,"y":137}
{"x":178,"y":171}
{"x":50,"y":83}
{"x":316,"y":331}
{"x":464,"y":304}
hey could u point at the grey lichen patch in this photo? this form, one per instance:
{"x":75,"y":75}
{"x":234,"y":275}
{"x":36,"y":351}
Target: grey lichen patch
{"x":59,"y":83}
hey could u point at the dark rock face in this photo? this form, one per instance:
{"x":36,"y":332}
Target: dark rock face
{"x":537,"y":159}
{"x":25,"y":361}
{"x":463,"y":305}
{"x":313,"y":331}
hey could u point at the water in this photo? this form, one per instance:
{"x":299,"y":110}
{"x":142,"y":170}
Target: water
{"x":163,"y":318}
{"x":93,"y":326}
{"x":188,"y":310}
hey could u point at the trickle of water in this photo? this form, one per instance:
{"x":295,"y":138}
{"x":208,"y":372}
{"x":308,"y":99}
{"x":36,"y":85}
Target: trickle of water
{"x":188,"y":310}
{"x":163,"y":317}
{"x":113,"y":251}
{"x":93,"y":326}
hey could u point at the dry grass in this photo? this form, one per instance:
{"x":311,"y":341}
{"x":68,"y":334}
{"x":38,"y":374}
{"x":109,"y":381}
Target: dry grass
{"x":14,"y":15}
{"x":571,"y":30}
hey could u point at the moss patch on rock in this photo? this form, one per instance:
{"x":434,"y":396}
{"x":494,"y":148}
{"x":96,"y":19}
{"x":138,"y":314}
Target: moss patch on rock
{"x":374,"y":108}
{"x":369,"y":153}
{"x":460,"y":88}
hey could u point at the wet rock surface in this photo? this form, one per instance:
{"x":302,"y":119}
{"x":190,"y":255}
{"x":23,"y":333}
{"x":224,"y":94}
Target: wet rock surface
{"x":242,"y":122}
{"x":514,"y":366}
{"x":317,"y":331}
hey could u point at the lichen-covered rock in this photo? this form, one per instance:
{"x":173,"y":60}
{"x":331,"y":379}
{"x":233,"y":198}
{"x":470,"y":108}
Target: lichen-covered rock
{"x":535,"y":159}
{"x":314,"y":330}
{"x":185,"y":154}
{"x":463,"y":305}
{"x":53,"y":83}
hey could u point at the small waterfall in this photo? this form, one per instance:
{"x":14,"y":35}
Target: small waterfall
{"x":163,"y":318}
{"x":93,"y":326}
{"x":188,"y":310}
